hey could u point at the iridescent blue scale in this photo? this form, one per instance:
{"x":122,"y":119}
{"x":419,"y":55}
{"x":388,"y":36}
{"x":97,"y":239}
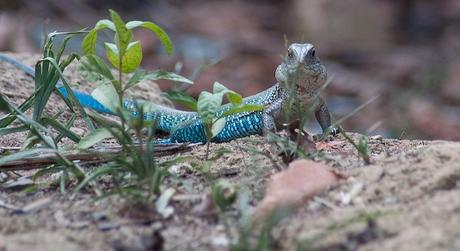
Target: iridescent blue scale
{"x":178,"y":123}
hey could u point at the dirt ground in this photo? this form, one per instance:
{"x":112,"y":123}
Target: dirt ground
{"x":408,"y":198}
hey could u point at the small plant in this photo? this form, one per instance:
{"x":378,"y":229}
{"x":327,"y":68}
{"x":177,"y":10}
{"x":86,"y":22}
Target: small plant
{"x":137,"y":162}
{"x":362,"y":146}
{"x":125,"y":55}
{"x":133,"y":171}
{"x":49,"y":75}
{"x":41,"y":139}
{"x":47,"y":144}
{"x":210,"y":109}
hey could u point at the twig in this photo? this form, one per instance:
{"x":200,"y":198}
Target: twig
{"x":90,"y":157}
{"x":10,"y":148}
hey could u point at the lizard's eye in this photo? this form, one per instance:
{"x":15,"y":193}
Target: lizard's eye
{"x":290,"y":53}
{"x":313,"y":52}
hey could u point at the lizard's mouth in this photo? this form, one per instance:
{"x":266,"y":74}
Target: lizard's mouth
{"x":315,"y":62}
{"x":313,"y":67}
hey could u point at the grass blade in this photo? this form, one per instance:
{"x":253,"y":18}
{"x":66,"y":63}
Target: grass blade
{"x":61,"y":128}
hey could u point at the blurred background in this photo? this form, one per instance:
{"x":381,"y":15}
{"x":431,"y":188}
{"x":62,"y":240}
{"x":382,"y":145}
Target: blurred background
{"x":405,"y":52}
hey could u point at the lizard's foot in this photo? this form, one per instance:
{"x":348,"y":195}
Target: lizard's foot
{"x":328,"y":134}
{"x":333,"y":130}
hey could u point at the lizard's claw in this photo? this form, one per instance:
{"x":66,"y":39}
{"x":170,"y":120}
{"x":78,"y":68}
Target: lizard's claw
{"x":333,"y":131}
{"x":328,"y":134}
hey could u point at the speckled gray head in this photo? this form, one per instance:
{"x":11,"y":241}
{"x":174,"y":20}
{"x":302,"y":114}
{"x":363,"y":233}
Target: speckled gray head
{"x":303,"y":66}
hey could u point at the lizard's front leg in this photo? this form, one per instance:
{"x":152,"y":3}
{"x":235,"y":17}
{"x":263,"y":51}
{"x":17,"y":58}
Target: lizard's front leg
{"x":269,"y":114}
{"x":324,"y":118}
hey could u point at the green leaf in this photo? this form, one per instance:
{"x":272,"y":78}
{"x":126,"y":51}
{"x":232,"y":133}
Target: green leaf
{"x":68,"y":125}
{"x":107,"y":96}
{"x":219,"y":88}
{"x":155,"y":75}
{"x":89,"y":41}
{"x":207,"y":105}
{"x":93,"y":138}
{"x":9,"y":130}
{"x":131,"y":59}
{"x":103,"y":24}
{"x":165,"y":75}
{"x":8,"y":119}
{"x":217,"y":126}
{"x":94,"y":68}
{"x":61,"y":128}
{"x":48,"y":61}
{"x":111,"y":51}
{"x":89,"y":75}
{"x":62,"y":49}
{"x":123,"y":35}
{"x":159,"y":32}
{"x":181,"y":98}
{"x":232,"y":96}
{"x":4,"y":104}
{"x":68,"y":60}
{"x":241,"y":109}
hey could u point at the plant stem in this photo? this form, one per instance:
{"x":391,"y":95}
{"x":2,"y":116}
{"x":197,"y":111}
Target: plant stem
{"x":208,"y":142}
{"x":120,"y":92}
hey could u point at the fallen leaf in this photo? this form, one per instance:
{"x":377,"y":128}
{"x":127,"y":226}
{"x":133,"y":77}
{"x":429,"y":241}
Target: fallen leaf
{"x":300,"y":182}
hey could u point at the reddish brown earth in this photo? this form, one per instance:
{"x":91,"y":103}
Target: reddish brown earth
{"x":408,"y":198}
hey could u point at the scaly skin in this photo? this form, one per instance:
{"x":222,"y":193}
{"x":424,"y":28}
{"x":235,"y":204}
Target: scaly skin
{"x":301,"y":74}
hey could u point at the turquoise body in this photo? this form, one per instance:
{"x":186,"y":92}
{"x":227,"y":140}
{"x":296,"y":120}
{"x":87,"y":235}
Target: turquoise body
{"x":184,"y":126}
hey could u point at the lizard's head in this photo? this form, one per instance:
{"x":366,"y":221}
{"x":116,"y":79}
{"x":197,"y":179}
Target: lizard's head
{"x":303,"y":66}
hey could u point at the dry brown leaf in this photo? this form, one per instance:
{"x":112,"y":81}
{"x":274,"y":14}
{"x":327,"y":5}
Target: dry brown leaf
{"x":300,"y":182}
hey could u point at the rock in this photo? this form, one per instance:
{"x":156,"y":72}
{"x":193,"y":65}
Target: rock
{"x":292,"y":187}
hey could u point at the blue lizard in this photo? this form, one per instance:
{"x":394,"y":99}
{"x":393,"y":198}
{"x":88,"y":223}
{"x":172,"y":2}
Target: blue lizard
{"x":301,"y":58}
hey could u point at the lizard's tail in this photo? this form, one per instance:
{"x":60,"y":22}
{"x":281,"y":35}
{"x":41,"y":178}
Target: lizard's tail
{"x":27,"y":69}
{"x":168,"y":118}
{"x":86,"y":100}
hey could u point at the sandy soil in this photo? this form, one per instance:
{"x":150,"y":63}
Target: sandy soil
{"x":407,"y":199}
